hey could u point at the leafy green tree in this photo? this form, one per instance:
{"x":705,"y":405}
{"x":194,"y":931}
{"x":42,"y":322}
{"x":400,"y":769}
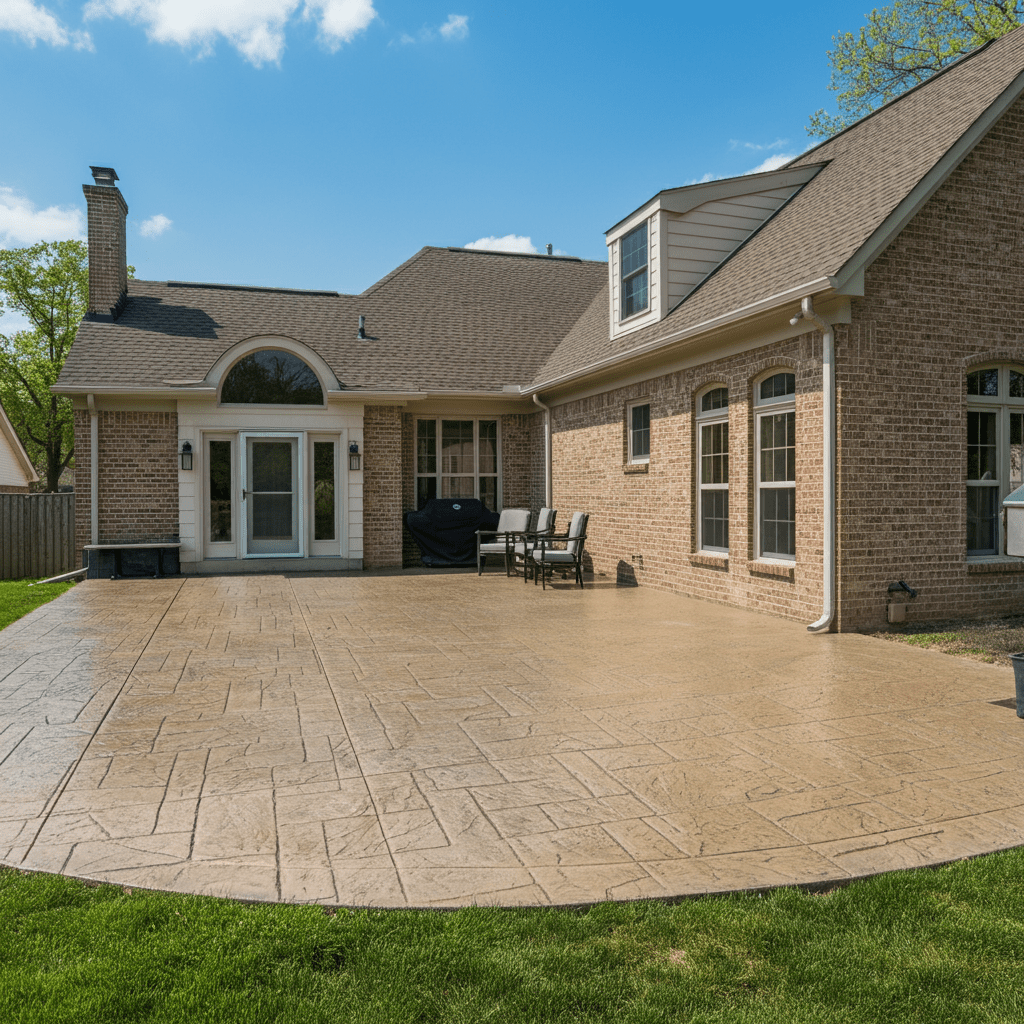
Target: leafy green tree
{"x":901,"y":46}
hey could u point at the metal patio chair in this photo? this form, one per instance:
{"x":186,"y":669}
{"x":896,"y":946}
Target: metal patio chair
{"x":514,"y":520}
{"x":522,"y":545}
{"x":546,"y":558}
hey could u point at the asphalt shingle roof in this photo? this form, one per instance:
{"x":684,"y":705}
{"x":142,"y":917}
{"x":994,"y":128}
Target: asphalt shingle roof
{"x":872,"y":167}
{"x":446,"y":319}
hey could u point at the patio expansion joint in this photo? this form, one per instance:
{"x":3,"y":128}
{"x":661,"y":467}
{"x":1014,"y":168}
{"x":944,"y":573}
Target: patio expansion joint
{"x":55,"y":798}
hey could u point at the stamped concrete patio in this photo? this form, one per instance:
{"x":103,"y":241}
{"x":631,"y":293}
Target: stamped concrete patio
{"x":439,"y":740}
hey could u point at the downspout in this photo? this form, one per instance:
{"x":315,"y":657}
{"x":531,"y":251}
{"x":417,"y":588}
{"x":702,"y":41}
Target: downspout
{"x":94,"y":471}
{"x":547,"y":451}
{"x":828,"y":431}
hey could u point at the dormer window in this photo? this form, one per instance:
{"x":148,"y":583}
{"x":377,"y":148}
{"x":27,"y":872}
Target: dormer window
{"x":634,"y":271}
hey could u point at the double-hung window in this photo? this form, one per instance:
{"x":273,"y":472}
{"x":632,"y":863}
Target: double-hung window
{"x":639,"y":431}
{"x":457,"y":459}
{"x":995,"y":441}
{"x":775,"y":405}
{"x":633,"y":267}
{"x":713,"y":470}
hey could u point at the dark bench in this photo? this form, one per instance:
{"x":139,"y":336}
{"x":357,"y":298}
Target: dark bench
{"x":155,"y":558}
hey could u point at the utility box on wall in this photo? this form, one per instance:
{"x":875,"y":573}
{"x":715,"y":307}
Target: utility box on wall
{"x":1014,"y":505}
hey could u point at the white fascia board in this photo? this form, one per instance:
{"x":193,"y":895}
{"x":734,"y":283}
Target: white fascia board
{"x":131,"y":392}
{"x":815,"y":287}
{"x":887,"y":231}
{"x":8,"y":431}
{"x":689,"y":197}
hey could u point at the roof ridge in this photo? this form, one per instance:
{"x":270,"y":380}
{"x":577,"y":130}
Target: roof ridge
{"x":957,"y":62}
{"x":246,"y":288}
{"x":401,"y":268}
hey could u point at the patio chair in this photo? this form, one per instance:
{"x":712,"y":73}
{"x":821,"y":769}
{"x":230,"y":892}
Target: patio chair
{"x":521,"y":545}
{"x":546,"y":558}
{"x":515,"y":520}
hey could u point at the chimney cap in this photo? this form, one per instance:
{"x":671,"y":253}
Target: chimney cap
{"x":104,"y":175}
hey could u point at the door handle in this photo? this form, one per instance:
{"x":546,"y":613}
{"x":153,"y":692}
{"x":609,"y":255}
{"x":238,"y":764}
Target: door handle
{"x":244,"y":493}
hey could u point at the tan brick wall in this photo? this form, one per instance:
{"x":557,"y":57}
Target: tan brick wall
{"x":383,"y":499}
{"x":947,"y":294}
{"x":642,"y":526}
{"x":14,"y":489}
{"x":138,"y":477}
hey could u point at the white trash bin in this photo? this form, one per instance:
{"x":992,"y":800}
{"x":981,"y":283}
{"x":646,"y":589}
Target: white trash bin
{"x":1014,"y":505}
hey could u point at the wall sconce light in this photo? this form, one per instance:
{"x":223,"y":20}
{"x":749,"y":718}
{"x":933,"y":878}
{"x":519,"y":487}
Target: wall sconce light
{"x":186,"y":455}
{"x":353,"y":456}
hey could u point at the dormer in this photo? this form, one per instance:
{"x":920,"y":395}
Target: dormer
{"x":665,"y":249}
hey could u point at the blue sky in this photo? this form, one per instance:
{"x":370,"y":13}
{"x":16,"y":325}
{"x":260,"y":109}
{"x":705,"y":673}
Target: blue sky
{"x":319,"y":143}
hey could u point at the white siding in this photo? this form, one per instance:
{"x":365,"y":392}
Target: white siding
{"x":11,"y":472}
{"x":197,"y":417}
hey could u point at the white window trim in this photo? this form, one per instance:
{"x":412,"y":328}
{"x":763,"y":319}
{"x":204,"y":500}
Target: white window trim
{"x":325,"y":548}
{"x":637,"y":460}
{"x":438,"y":475}
{"x":646,"y":268}
{"x":1002,"y":404}
{"x":769,"y":407}
{"x":708,"y":419}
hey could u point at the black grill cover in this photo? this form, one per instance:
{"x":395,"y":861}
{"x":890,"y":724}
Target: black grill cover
{"x":445,"y":529}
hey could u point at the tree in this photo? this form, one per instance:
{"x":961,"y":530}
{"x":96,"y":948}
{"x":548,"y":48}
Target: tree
{"x":48,"y":284}
{"x":900,"y":47}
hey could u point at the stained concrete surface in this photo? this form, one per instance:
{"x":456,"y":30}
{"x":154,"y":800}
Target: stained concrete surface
{"x":447,"y":739}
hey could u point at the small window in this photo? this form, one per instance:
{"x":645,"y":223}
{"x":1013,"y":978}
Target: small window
{"x":457,"y":459}
{"x":633,"y":248}
{"x":271,"y":377}
{"x":713,"y":471}
{"x":640,"y":433}
{"x":776,"y":467}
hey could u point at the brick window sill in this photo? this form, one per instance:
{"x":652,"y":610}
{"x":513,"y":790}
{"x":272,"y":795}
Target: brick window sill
{"x":709,"y":561}
{"x":781,"y":570}
{"x":1003,"y":564}
{"x":635,"y":467}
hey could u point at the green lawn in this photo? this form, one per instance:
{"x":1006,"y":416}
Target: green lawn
{"x":929,"y":946}
{"x":17,"y":598}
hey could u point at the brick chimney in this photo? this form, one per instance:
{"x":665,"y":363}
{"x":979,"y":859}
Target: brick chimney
{"x":108,"y":258}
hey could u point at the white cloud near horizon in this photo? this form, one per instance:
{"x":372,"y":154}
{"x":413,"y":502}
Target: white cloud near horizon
{"x":773,"y":162}
{"x":456,"y":27}
{"x":506,"y":243}
{"x":256,"y":28}
{"x":155,"y":226}
{"x":35,"y":24}
{"x":22,"y":224}
{"x":758,"y":146}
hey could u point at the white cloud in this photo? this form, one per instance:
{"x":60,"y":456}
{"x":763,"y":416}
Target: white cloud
{"x":507,"y":243}
{"x":703,"y":181}
{"x":456,"y":27}
{"x":340,"y":20}
{"x":156,"y":225}
{"x":758,"y":146}
{"x":12,"y":321}
{"x":36,"y":24}
{"x":256,"y":28}
{"x":773,"y":162}
{"x":22,"y":224}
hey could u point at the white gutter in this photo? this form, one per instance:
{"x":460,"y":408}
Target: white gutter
{"x":548,"y":488}
{"x":94,"y":471}
{"x":828,"y":432}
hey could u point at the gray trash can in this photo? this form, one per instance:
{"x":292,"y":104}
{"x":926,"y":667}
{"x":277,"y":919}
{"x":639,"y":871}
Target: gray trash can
{"x":1018,"y":678}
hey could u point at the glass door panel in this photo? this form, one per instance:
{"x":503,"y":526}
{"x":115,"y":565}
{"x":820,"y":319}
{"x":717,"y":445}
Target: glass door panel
{"x":270,"y":496}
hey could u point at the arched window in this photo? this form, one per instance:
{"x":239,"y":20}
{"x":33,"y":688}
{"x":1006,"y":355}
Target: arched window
{"x":995,"y":442}
{"x":271,"y":377}
{"x":775,"y":404}
{"x":713,"y":470}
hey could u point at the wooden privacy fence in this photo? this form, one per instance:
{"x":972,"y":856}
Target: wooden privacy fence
{"x":37,"y":535}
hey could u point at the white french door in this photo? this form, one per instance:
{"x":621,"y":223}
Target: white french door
{"x":272,"y":499}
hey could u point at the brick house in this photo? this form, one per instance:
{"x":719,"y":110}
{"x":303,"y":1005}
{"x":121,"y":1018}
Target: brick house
{"x":785,"y":391}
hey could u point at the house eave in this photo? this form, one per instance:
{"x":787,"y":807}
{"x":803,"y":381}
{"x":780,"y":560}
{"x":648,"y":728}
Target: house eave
{"x":817,"y":287}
